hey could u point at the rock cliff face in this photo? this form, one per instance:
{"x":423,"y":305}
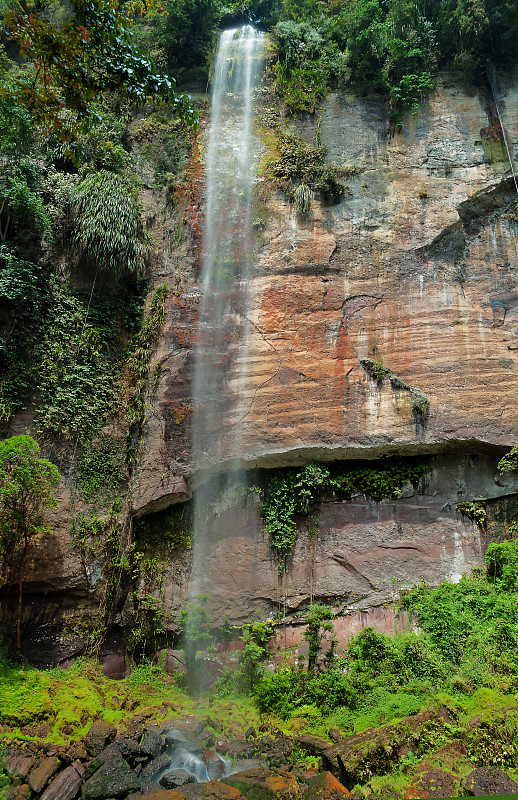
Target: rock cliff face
{"x":415,"y":267}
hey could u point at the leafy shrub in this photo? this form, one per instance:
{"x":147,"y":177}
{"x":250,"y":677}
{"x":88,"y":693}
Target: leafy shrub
{"x":474,"y":511}
{"x":502,"y":564}
{"x":22,"y":212}
{"x":509,"y":462}
{"x":301,"y":168}
{"x":289,"y":493}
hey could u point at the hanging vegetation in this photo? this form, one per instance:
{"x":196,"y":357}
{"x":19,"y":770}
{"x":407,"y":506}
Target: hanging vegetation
{"x":109,"y":229}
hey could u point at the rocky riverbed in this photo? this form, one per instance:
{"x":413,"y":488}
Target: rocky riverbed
{"x":423,"y":756}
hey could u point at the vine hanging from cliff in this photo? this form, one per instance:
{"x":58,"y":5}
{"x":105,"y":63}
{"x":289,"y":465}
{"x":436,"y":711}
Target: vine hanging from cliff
{"x":292,"y":493}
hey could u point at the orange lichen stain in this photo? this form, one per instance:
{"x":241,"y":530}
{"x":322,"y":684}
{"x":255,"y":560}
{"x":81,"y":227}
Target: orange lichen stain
{"x":282,"y":785}
{"x":327,"y":787}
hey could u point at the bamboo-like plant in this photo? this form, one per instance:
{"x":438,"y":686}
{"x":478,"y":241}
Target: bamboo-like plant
{"x":109,"y":229}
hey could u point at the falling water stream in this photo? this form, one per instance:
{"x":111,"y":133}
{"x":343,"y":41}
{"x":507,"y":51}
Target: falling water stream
{"x":227,"y":261}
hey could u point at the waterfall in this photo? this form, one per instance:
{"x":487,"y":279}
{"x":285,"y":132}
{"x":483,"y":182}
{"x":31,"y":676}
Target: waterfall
{"x":227,"y":261}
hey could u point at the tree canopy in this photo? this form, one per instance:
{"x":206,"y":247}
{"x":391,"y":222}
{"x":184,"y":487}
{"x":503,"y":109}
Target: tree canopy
{"x":71,"y":64}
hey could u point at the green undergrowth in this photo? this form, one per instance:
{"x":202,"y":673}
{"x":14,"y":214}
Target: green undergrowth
{"x":59,"y":705}
{"x":462,"y":654}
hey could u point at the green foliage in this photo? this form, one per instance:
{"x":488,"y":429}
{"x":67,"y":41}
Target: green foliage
{"x":472,"y":624}
{"x":308,"y":65}
{"x":172,"y":527}
{"x":76,"y":62}
{"x":465,"y":646}
{"x":101,"y":468}
{"x":300,"y":169}
{"x":22,"y":212}
{"x":474,"y":511}
{"x":27,"y":487}
{"x":76,"y":363}
{"x":27,"y":490}
{"x":495,"y":742}
{"x":185,"y":31}
{"x":410,"y":90}
{"x":87,"y":533}
{"x":391,"y":47}
{"x":509,"y":462}
{"x":319,"y":621}
{"x":23,"y":289}
{"x":147,"y":629}
{"x":255,"y":638}
{"x":278,"y":511}
{"x":109,"y":230}
{"x":419,"y":401}
{"x":510,"y":210}
{"x":502,"y":564}
{"x":16,"y":130}
{"x":381,"y":482}
{"x":290,"y":492}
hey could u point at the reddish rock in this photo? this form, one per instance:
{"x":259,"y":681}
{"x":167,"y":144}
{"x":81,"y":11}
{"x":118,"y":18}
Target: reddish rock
{"x":325,"y":787}
{"x":18,"y":763}
{"x":429,"y":782}
{"x":264,"y":784}
{"x":212,"y":790}
{"x":115,"y":667}
{"x":160,"y":794}
{"x":490,"y":780}
{"x":67,"y":784}
{"x":21,"y":792}
{"x":374,"y":751}
{"x":411,"y":261}
{"x":40,"y":775}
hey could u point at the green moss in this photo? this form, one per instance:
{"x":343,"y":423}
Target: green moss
{"x":70,"y":700}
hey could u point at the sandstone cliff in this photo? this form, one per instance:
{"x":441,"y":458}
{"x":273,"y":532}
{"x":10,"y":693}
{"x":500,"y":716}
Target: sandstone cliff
{"x":414,"y":267}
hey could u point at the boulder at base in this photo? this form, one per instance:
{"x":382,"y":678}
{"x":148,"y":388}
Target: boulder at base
{"x":490,"y":780}
{"x":431,"y":782}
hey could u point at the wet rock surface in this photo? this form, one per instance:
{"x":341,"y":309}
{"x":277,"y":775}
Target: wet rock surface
{"x":176,"y":777}
{"x":416,"y":259}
